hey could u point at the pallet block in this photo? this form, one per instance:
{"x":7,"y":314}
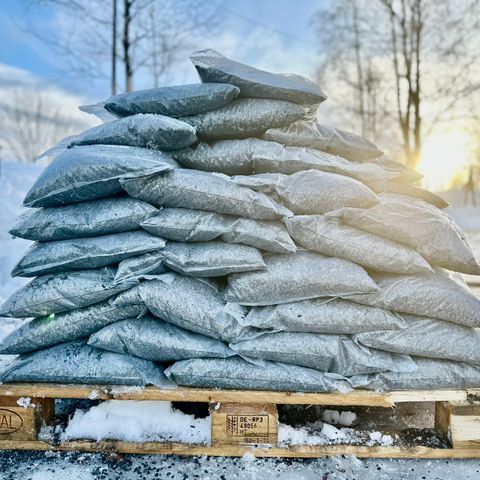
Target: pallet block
{"x":18,"y":422}
{"x":244,"y":424}
{"x":461,"y":422}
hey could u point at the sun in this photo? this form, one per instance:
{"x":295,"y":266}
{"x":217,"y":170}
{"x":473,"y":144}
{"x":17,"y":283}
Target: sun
{"x":445,"y":156}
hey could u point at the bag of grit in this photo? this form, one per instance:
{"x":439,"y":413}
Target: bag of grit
{"x":220,"y":231}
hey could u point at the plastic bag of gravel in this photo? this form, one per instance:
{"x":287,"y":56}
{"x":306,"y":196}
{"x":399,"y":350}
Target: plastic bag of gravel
{"x":81,"y":253}
{"x":310,"y":133}
{"x":279,"y":159}
{"x":86,"y":219}
{"x":42,"y":332}
{"x":330,"y":237}
{"x":62,"y":292}
{"x":237,"y":373}
{"x":77,"y":362}
{"x":323,"y":315}
{"x":327,"y":353}
{"x":196,"y":190}
{"x":409,"y":191}
{"x":173,"y":101}
{"x":298,"y":276}
{"x":243,"y":118}
{"x":435,"y":295}
{"x":185,"y":225}
{"x":211,"y":259}
{"x":311,"y":191}
{"x":231,"y":157}
{"x":157,"y":132}
{"x":150,"y":263}
{"x":428,"y":230}
{"x":156,"y":340}
{"x":189,"y":303}
{"x":428,"y":337}
{"x":212,"y":66}
{"x":91,"y":172}
{"x":430,"y":374}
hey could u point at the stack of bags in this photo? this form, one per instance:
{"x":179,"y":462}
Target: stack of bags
{"x":217,"y":234}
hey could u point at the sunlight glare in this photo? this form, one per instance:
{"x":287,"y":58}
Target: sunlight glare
{"x":445,"y":156}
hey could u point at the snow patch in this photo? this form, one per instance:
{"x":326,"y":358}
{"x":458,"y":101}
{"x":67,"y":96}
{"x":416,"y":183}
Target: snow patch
{"x":335,"y":417}
{"x":25,"y":402}
{"x":137,"y":421}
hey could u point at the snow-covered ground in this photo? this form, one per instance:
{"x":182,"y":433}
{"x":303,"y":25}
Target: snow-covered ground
{"x":15,"y":180}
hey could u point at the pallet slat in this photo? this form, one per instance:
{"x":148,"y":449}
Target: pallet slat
{"x":185,"y":394}
{"x":304,"y":451}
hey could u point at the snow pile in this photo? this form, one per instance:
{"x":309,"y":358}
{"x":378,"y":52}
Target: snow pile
{"x":142,"y":421}
{"x":321,"y":433}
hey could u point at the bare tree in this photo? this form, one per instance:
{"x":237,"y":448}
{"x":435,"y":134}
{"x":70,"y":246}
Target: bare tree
{"x":419,"y":55}
{"x":151,"y":36}
{"x":30,"y":123}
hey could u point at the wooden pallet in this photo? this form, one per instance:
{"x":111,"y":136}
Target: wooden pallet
{"x":242,"y":421}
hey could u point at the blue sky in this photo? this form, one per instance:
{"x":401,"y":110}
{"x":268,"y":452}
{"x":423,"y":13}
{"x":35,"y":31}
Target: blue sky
{"x":260,"y":32}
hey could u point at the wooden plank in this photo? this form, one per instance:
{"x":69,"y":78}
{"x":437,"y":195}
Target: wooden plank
{"x":238,"y":451}
{"x":244,"y":423}
{"x":185,"y":394}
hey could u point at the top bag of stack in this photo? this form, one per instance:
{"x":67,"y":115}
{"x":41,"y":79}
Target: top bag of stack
{"x":214,"y":67}
{"x":175,"y":101}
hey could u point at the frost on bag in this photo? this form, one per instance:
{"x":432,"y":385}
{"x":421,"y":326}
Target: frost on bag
{"x":42,"y":332}
{"x":91,"y":172}
{"x":142,"y":130}
{"x":150,"y":263}
{"x":330,"y":237}
{"x":156,"y":340}
{"x":190,"y":304}
{"x":243,"y":118}
{"x":173,"y":101}
{"x":427,"y":337}
{"x":311,"y":191}
{"x":85,"y":219}
{"x":211,"y":259}
{"x":431,"y":232}
{"x":327,"y":353}
{"x":236,"y":373}
{"x":212,"y":66}
{"x":431,"y":374}
{"x":231,"y":157}
{"x":185,"y":225}
{"x":185,"y":188}
{"x":279,"y":159}
{"x":310,"y":133}
{"x":323,"y":315}
{"x":62,"y":292}
{"x":298,"y":276}
{"x":434,"y":295}
{"x":81,"y":253}
{"x":77,"y":362}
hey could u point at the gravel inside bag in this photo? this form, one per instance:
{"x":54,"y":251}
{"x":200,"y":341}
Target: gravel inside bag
{"x":173,"y":101}
{"x":156,"y":340}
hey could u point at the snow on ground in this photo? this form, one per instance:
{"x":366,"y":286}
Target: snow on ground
{"x":83,"y":466}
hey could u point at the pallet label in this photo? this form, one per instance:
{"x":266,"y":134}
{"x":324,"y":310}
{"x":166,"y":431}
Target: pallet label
{"x":247,"y":425}
{"x":10,"y":421}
